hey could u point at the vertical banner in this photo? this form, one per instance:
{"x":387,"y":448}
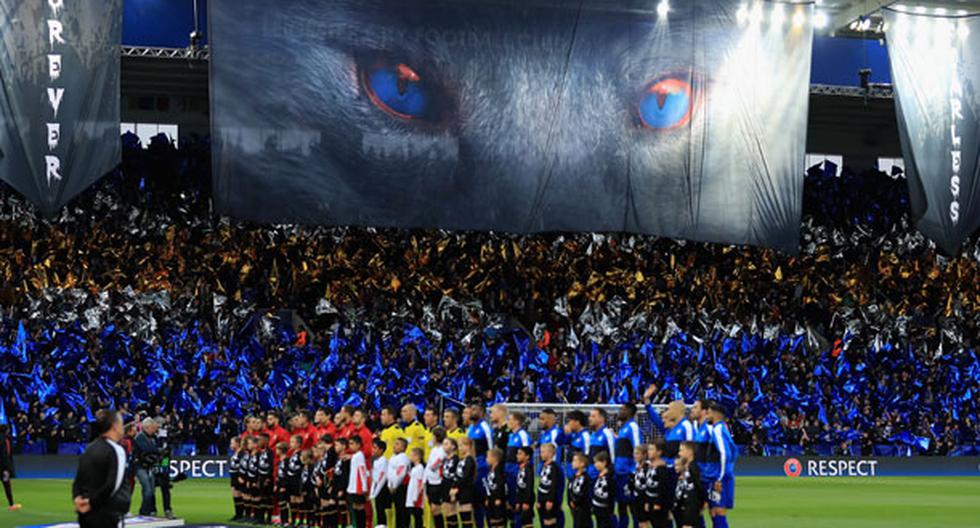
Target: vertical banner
{"x":59,"y":97}
{"x":684,"y":118}
{"x":936,"y":71}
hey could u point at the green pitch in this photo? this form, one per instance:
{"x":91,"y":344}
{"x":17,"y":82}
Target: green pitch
{"x":760,"y":502}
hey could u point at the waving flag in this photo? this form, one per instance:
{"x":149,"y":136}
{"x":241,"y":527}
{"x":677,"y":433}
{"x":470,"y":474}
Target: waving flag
{"x":20,"y":343}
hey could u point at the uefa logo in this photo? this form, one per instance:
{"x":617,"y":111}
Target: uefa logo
{"x":793,"y":467}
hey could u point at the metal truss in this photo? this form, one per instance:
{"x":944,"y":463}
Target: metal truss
{"x":875,"y":92}
{"x":165,"y":53}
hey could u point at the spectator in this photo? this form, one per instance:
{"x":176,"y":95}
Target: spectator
{"x":137,"y":297}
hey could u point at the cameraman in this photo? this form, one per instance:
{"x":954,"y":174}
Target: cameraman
{"x":146,"y":454}
{"x":165,"y":442}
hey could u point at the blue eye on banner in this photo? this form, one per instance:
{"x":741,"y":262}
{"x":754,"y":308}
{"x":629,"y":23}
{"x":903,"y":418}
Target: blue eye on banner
{"x":667,"y":105}
{"x":397,"y":91}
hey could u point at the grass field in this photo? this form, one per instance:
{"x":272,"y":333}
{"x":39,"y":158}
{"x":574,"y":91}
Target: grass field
{"x":760,"y":502}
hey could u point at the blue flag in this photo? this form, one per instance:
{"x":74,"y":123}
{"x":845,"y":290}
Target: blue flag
{"x":20,"y":343}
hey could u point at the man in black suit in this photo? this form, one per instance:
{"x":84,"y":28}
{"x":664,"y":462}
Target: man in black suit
{"x":99,"y":491}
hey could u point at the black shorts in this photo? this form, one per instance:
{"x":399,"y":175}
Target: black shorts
{"x":638,"y":509}
{"x":266,"y":487}
{"x":436,"y":493}
{"x":659,"y":518}
{"x":383,"y":501}
{"x":527,"y":517}
{"x":496,"y":512}
{"x":465,"y":495}
{"x":548,"y":514}
{"x":399,"y":496}
{"x":446,"y":487}
{"x":308,"y":494}
{"x":581,"y":518}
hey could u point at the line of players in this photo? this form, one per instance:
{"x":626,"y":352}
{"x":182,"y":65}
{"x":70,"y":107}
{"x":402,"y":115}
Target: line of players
{"x":331,"y":473}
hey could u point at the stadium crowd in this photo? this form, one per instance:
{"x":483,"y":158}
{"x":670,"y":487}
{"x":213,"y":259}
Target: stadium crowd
{"x":138,"y":296}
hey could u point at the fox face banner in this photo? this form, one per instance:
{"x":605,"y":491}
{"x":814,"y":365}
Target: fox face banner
{"x":937,"y":86}
{"x":685,"y":119}
{"x":59,"y":104}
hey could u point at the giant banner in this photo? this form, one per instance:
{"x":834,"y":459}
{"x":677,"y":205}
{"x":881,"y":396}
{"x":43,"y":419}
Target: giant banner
{"x":685,"y":118}
{"x":936,"y":70}
{"x":59,"y":96}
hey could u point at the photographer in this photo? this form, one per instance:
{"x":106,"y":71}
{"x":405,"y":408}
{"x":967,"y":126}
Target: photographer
{"x":147,"y":456}
{"x":165,"y":441}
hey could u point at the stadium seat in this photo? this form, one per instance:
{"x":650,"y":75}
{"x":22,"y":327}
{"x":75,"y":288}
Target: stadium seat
{"x":965,"y":450}
{"x":185,"y":450}
{"x":824,"y":449}
{"x":885,"y":450}
{"x":71,"y":449}
{"x":35,"y":448}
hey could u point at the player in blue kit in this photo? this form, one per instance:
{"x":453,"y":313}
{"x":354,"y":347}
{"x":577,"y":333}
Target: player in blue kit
{"x":673,"y":425}
{"x":481,"y":433}
{"x":702,"y":436}
{"x":602,"y":439}
{"x":551,"y":433}
{"x":577,"y":438}
{"x":627,"y":440}
{"x":719,"y":466}
{"x":702,"y":429}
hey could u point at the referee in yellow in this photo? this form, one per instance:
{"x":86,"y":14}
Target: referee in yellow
{"x":430,"y":419}
{"x":390,"y":430}
{"x":415,"y":432}
{"x":450,"y":420}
